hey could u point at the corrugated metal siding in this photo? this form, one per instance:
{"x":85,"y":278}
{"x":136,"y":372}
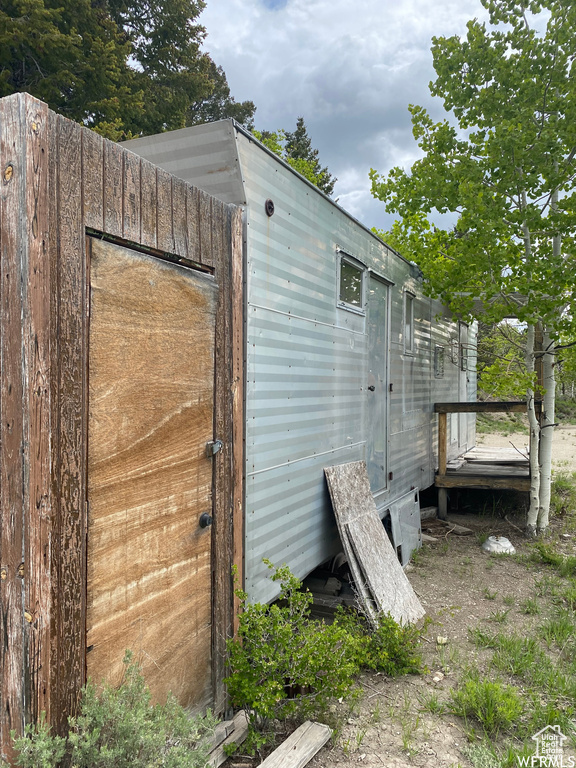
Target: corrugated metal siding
{"x":203,"y":155}
{"x":306,"y":358}
{"x":307,"y":371}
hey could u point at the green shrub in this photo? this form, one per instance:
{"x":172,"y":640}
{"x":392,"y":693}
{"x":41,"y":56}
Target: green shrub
{"x":563,"y":494}
{"x":284,"y":664}
{"x":119,"y":727}
{"x":391,"y":648}
{"x":546,"y":554}
{"x":496,"y":706}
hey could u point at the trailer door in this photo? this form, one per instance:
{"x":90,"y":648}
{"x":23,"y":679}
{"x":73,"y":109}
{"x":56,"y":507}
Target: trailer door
{"x":377,"y":386}
{"x":151,"y":379}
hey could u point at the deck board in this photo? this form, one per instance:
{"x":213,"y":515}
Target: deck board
{"x":486,"y":467}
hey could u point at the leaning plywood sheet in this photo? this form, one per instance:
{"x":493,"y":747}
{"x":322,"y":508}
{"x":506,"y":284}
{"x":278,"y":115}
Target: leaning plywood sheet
{"x":365,"y":535}
{"x":363,"y":593}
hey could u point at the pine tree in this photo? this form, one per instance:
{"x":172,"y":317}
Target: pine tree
{"x":296,"y":149}
{"x":299,"y":148}
{"x":122,"y":67}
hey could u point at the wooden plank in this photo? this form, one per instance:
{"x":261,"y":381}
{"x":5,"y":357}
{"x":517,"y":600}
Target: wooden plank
{"x":12,"y":242}
{"x":221,"y":733}
{"x":131,"y":197}
{"x":193,"y":223}
{"x":223,"y":462}
{"x":148,"y":205}
{"x":113,"y":188}
{"x":503,"y":407}
{"x":179,"y":220}
{"x":238,"y":735}
{"x":365,"y":598}
{"x":69,"y":433}
{"x":300,"y":747}
{"x":237,"y":416}
{"x":493,"y":470}
{"x":93,"y":179}
{"x":356,"y":513}
{"x":497,"y":456}
{"x":207,"y":256}
{"x":56,"y":721}
{"x":442,"y":442}
{"x":482,"y":481}
{"x":496,"y":460}
{"x":165,"y":233}
{"x":151,"y":411}
{"x":37,"y":424}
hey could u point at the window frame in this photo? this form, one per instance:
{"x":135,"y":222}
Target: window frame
{"x":408,"y":308}
{"x":439,"y":361}
{"x":345,"y":258}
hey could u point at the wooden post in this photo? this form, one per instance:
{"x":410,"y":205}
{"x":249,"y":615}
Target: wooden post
{"x":442,"y":454}
{"x":442,"y":438}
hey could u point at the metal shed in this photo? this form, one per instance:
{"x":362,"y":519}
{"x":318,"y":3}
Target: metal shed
{"x":344,"y":354}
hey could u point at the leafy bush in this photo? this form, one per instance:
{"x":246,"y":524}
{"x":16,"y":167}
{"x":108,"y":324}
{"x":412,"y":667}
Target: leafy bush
{"x":119,"y":727}
{"x":496,"y":706}
{"x":391,"y":648}
{"x":284,"y":664}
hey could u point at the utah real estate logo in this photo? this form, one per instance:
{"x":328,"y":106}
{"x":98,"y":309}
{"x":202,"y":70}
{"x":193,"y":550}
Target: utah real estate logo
{"x":549,"y":750}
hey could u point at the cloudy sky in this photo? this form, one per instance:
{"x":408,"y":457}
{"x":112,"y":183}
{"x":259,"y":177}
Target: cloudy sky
{"x":349,"y":68}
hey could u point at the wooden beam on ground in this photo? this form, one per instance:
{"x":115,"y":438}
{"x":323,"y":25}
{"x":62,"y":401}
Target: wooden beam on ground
{"x":300,"y":747}
{"x":237,"y":736}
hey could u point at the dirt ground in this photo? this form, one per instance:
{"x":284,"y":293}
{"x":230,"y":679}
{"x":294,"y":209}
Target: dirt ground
{"x":461,"y":587}
{"x":563,"y":450}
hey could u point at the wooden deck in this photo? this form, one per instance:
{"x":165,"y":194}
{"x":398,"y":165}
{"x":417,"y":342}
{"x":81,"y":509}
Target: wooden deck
{"x":482,"y":467}
{"x":487,"y":468}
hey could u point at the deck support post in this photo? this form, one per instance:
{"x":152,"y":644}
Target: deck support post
{"x":443,"y":503}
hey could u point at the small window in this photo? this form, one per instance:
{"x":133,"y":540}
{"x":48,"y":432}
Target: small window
{"x":408,"y":322}
{"x":454,"y":348}
{"x":351,"y":285}
{"x":463,"y":357}
{"x":439,"y":362}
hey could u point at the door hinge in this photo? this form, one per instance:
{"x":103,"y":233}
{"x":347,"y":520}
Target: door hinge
{"x":213,"y":447}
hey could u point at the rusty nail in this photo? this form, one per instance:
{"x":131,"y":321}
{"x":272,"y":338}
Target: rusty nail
{"x":3,"y":574}
{"x":8,"y":172}
{"x":21,"y":570}
{"x":35,"y":127}
{"x":28,"y":617}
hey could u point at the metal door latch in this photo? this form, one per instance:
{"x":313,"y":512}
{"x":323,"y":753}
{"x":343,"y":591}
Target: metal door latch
{"x":205,"y":520}
{"x":213,"y":447}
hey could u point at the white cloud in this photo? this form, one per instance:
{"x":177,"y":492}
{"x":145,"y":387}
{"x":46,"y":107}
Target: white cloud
{"x":350,"y":69}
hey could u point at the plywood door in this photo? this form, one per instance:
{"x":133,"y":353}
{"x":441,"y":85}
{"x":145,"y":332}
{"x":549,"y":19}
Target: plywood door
{"x":151,"y":375}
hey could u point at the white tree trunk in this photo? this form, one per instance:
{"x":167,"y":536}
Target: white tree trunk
{"x":534,"y":509}
{"x":546,"y":431}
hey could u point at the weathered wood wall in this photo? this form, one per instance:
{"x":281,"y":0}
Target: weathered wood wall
{"x":60,"y":182}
